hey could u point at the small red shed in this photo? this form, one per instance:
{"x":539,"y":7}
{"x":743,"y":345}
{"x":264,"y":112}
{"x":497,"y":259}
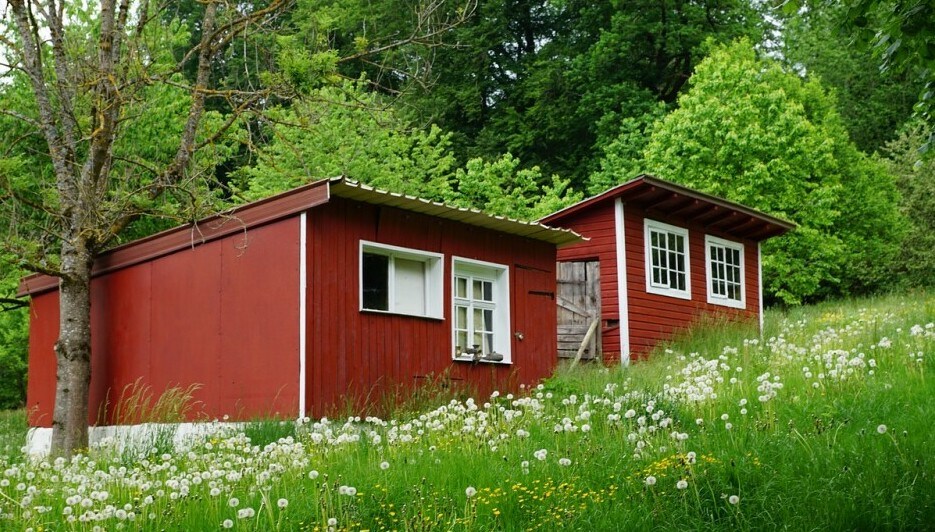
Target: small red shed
{"x":328,"y":293}
{"x":686,"y":254}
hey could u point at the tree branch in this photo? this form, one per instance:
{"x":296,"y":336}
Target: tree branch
{"x":7,"y":304}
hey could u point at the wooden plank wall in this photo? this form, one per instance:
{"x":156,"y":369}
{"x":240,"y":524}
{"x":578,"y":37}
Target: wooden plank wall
{"x":578,"y":305}
{"x":654,"y":318}
{"x":597,"y":224}
{"x":362,"y":357}
{"x":221,"y":315}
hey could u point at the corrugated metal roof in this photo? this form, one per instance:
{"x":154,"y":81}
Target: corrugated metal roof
{"x":350,"y":189}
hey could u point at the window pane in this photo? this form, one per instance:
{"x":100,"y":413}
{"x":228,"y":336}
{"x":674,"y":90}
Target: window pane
{"x":461,"y":287}
{"x":375,"y":281}
{"x":488,"y":320}
{"x":461,"y":314}
{"x":409,"y":292}
{"x":488,"y":291}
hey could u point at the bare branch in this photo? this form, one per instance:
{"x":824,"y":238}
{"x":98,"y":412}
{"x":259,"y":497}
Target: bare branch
{"x":425,"y":31}
{"x":65,"y":90}
{"x":7,"y":304}
{"x":19,"y":116}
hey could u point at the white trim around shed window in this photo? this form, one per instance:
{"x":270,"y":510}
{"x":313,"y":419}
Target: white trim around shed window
{"x":499,"y":275}
{"x":433,"y":284}
{"x":720,"y":298}
{"x":665,"y":288}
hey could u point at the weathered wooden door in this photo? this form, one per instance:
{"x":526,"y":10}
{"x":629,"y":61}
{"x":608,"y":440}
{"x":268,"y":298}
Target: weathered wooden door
{"x":579,"y":305}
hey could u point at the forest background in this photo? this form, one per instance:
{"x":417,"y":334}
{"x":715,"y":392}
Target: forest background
{"x":814,"y":112}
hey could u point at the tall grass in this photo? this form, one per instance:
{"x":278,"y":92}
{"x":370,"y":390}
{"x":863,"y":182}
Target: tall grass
{"x":823,"y":423}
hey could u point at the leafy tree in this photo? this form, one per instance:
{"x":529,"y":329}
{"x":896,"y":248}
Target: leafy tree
{"x":501,"y":187}
{"x":873,"y":103}
{"x":113,"y":125}
{"x":915,"y":177}
{"x":551,"y":82}
{"x":101,"y":169}
{"x":752,"y":132}
{"x":14,"y":339}
{"x":348,"y":131}
{"x":899,"y":35}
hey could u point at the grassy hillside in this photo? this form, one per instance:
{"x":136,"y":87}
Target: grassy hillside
{"x":824,"y":423}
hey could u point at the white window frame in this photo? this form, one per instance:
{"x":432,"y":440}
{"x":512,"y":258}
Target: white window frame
{"x":722,"y":299}
{"x":499,"y":275}
{"x":650,"y":226}
{"x":434,"y":273}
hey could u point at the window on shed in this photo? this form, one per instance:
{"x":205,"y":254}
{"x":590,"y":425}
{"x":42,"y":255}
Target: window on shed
{"x":724,"y":265}
{"x":400,"y":280}
{"x":667,"y":260}
{"x":481,"y":300}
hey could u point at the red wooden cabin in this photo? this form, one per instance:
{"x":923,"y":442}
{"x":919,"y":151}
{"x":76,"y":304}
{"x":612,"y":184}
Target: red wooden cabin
{"x":686,"y":253}
{"x":294,"y":304}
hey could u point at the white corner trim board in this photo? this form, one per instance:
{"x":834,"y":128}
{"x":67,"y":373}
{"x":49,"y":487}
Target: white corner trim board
{"x":303,"y":282}
{"x":623,"y":302}
{"x":759,"y":280}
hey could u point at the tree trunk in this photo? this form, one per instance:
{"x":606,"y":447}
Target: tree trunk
{"x":73,"y":350}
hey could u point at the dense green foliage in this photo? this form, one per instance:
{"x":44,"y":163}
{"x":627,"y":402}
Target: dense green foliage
{"x":14,"y":338}
{"x":823,"y":423}
{"x":345,"y":131}
{"x":916,"y":180}
{"x":750,"y":131}
{"x":873,"y":103}
{"x":550,"y":82}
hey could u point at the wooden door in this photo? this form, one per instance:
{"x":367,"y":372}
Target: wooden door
{"x":579,"y":305}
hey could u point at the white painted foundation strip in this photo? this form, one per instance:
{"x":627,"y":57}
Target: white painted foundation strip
{"x":303,"y":282}
{"x":143,"y":436}
{"x":620,"y":242}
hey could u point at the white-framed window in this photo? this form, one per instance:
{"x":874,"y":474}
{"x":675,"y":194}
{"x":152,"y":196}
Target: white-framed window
{"x":481,"y":311}
{"x":668,"y":270}
{"x":725,"y":272}
{"x":400,"y":280}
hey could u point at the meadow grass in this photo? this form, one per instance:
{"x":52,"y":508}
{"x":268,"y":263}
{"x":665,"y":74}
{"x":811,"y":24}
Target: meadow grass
{"x":823,"y":423}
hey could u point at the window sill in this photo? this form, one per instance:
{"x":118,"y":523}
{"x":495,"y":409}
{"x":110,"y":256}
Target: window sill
{"x":678,"y":294}
{"x":741,"y":305}
{"x":403,"y":314}
{"x":481,"y":361}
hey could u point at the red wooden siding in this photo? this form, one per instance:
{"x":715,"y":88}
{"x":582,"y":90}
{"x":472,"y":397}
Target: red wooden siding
{"x":656,"y":317}
{"x":597,"y":224}
{"x":360,"y":356}
{"x":651,"y":317}
{"x":222,"y":315}
{"x":223,"y":312}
